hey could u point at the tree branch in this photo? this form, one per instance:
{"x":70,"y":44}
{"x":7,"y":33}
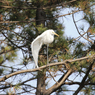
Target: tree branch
{"x":59,"y":84}
{"x":39,"y":20}
{"x":53,"y":5}
{"x":52,"y":76}
{"x":65,"y":62}
{"x":22,"y":83}
{"x":82,"y":34}
{"x":83,"y":80}
{"x":78,"y":83}
{"x":78,"y":30}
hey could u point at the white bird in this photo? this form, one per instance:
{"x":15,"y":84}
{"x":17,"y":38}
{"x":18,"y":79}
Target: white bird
{"x":46,"y":37}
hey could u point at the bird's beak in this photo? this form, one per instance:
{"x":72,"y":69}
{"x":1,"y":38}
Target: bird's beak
{"x":56,"y":34}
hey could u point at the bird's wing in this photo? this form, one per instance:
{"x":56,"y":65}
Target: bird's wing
{"x":35,"y":47}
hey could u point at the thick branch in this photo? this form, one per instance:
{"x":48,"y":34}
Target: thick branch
{"x":45,"y":66}
{"x":59,"y":84}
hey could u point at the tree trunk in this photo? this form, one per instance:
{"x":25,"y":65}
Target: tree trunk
{"x":41,"y":83}
{"x":40,"y":19}
{"x":40,"y":16}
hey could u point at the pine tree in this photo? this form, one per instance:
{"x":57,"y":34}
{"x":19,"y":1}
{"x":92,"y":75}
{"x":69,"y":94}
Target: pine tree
{"x":21,"y":21}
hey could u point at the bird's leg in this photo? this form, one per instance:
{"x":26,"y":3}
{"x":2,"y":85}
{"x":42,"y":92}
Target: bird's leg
{"x":47,"y":54}
{"x":36,"y":64}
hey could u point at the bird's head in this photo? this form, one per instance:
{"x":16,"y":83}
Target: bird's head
{"x":53,"y":33}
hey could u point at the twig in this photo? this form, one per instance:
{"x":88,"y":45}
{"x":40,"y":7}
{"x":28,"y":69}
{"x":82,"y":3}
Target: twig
{"x":78,"y":30}
{"x":52,"y":77}
{"x":82,"y":34}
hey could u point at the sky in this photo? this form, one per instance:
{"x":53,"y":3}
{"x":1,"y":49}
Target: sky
{"x":70,"y":29}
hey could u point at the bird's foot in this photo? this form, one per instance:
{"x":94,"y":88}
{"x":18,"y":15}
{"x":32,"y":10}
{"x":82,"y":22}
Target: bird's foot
{"x":38,"y":68}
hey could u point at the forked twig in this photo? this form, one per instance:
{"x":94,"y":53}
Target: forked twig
{"x":78,"y":30}
{"x":52,"y":76}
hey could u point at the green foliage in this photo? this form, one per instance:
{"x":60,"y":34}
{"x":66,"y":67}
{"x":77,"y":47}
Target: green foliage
{"x":80,"y":50}
{"x":17,"y":87}
{"x":8,"y":53}
{"x":1,"y":59}
{"x":40,"y":28}
{"x":1,"y":71}
{"x":88,"y":90}
{"x":90,"y":17}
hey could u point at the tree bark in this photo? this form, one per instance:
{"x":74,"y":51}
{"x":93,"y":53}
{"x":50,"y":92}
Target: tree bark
{"x":40,"y":19}
{"x":41,"y":83}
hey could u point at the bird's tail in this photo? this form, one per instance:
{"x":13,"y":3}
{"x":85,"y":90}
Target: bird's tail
{"x":35,"y":55}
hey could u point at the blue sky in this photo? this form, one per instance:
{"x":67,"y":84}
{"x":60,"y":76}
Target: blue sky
{"x":70,"y":29}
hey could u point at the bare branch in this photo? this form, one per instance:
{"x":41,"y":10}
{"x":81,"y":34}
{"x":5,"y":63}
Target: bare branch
{"x":83,"y":80}
{"x":65,"y":62}
{"x":78,"y":30}
{"x":52,"y":76}
{"x":60,"y":82}
{"x":82,"y":34}
{"x":78,"y":83}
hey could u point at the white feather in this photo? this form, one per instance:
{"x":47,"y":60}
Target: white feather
{"x":46,"y":37}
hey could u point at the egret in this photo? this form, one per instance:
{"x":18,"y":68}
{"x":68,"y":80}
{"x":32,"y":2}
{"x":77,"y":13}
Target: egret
{"x":46,"y":38}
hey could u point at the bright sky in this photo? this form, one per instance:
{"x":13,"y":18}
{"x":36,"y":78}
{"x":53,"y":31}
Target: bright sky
{"x":70,"y":29}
